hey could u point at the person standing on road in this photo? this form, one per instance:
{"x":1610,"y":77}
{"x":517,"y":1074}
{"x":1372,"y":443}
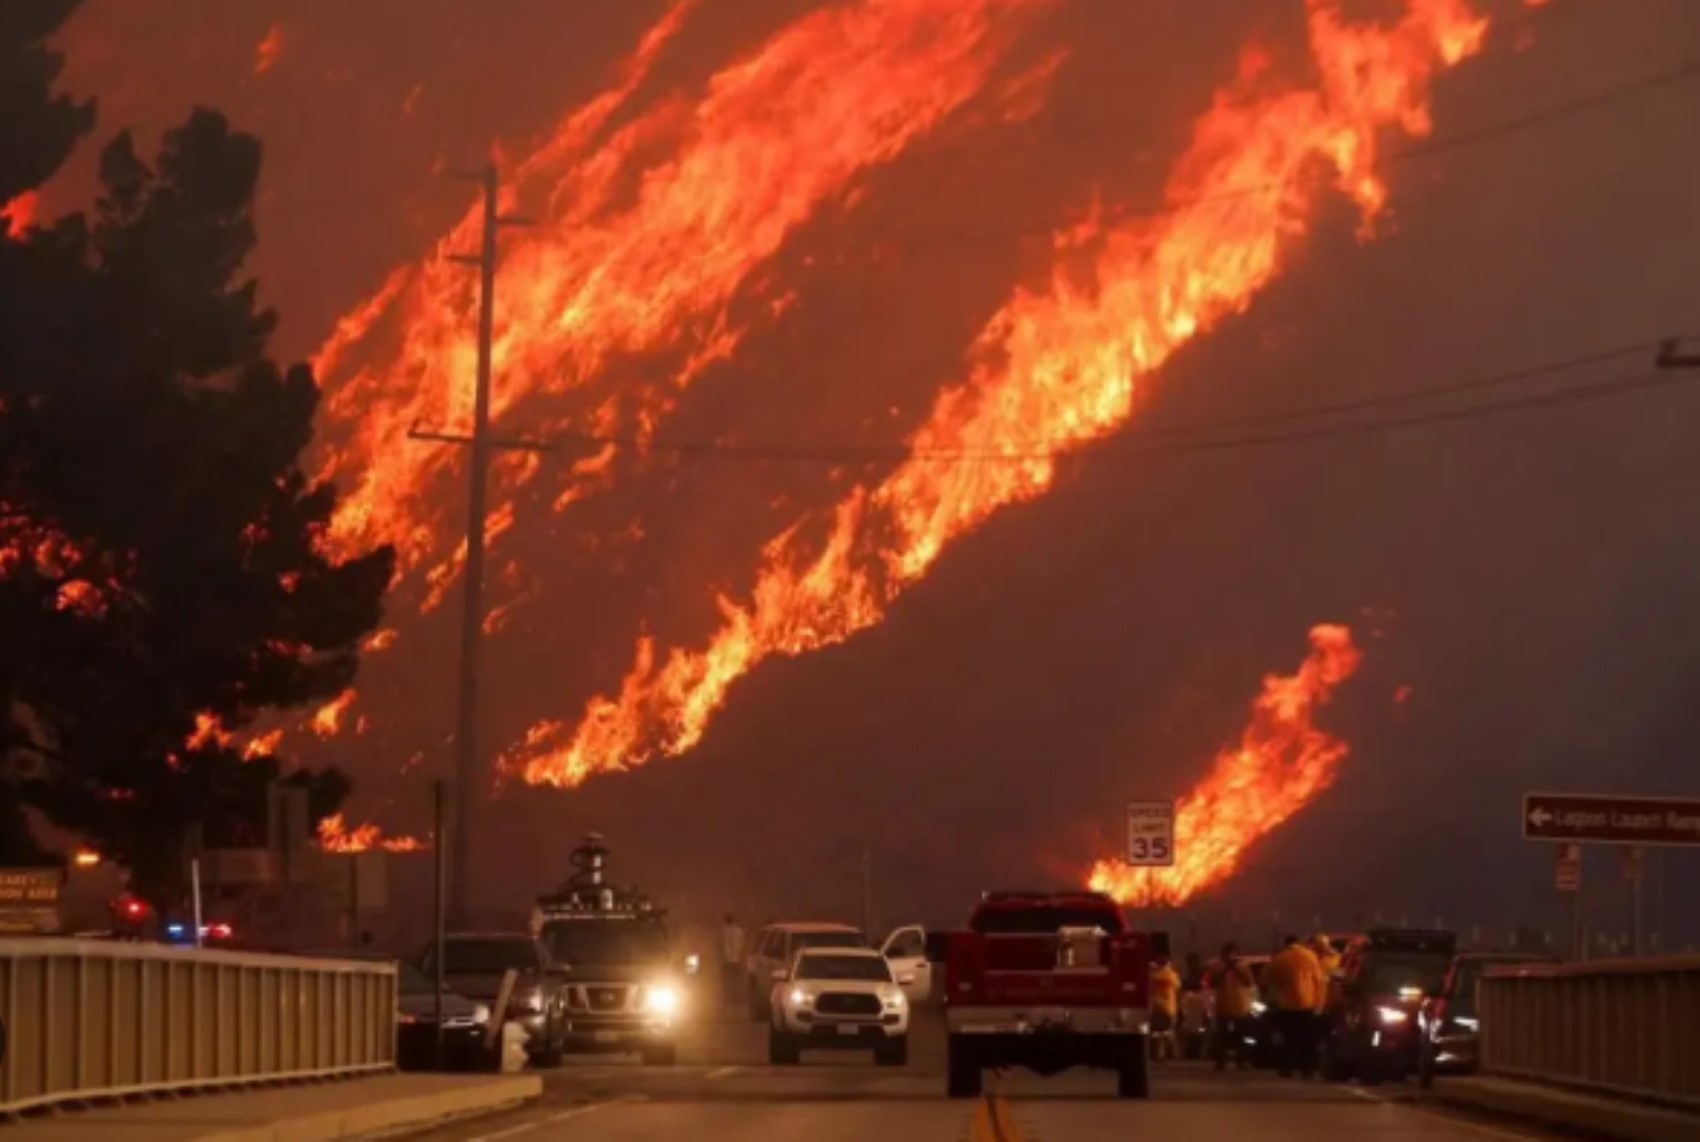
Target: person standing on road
{"x":1232,"y":991}
{"x":1296,"y":988}
{"x":1165,"y":1007}
{"x":731,"y":962}
{"x":1326,"y":955}
{"x":1329,"y":959}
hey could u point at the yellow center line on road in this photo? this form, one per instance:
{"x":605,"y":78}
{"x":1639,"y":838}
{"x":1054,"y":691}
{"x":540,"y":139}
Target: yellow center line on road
{"x":994,"y":1121}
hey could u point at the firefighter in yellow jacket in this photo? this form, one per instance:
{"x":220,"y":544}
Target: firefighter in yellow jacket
{"x":1233,"y":989}
{"x":1295,"y":986}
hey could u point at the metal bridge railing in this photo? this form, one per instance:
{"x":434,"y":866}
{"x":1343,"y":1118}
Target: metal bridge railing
{"x":1622,"y":1027}
{"x":88,"y":1019}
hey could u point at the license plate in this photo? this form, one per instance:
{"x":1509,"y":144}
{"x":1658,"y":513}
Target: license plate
{"x":848,"y":1029}
{"x":607,"y":1036}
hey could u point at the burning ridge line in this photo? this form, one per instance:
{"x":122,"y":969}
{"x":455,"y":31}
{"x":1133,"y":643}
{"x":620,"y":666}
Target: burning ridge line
{"x":1053,"y":370}
{"x":773,"y":139}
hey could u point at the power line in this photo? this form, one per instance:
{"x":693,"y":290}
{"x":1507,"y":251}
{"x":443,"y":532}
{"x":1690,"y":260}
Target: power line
{"x":1670,"y":77}
{"x":1162,"y":441}
{"x":1580,"y":394}
{"x":1416,"y":395}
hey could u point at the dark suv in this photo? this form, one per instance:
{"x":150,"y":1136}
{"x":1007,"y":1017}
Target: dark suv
{"x":474,"y":964}
{"x":1450,"y":1036}
{"x":1370,"y":1024}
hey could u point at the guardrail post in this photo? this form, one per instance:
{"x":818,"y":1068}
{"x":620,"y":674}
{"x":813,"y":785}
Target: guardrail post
{"x":47,"y":1023}
{"x":9,"y":1070}
{"x":179,"y":1019}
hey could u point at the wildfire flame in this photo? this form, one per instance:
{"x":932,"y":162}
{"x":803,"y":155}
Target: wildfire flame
{"x":1280,"y":765}
{"x":774,"y":138}
{"x":1053,"y":370}
{"x":336,"y":837}
{"x":269,"y":50}
{"x":263,"y":746}
{"x":327,"y":720}
{"x":208,"y":732}
{"x":19,"y":214}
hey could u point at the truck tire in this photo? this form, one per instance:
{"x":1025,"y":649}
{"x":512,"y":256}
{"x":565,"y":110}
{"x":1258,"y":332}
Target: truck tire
{"x":1133,"y":1076}
{"x":662,"y":1055}
{"x":782,"y":1050}
{"x":963,"y":1078}
{"x":893,"y":1053}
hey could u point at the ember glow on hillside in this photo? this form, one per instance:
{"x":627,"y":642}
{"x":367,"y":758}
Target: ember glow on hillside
{"x":1055,"y":369}
{"x":1281,"y":763}
{"x":18,"y":215}
{"x":773,"y":139}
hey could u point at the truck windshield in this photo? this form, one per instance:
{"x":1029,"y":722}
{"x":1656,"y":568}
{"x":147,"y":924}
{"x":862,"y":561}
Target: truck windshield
{"x":1042,"y":921}
{"x":817,"y":966}
{"x":601,"y":942}
{"x":1390,"y":973}
{"x":828,"y":940}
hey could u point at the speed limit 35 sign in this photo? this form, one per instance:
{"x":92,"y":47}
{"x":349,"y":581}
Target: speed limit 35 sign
{"x":1151,"y":834}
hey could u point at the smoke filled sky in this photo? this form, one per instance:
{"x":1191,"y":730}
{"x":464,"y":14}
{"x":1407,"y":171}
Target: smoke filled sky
{"x":1532,"y":574}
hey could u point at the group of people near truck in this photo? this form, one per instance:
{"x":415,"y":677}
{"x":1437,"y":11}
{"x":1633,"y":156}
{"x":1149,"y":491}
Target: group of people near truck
{"x":1290,"y":994}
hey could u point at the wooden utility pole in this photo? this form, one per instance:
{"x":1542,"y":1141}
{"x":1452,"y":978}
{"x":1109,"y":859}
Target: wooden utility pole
{"x":468,"y":767}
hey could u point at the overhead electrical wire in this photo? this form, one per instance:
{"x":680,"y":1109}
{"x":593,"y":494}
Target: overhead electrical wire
{"x":1670,"y":77}
{"x":1206,"y":436}
{"x":1161,"y":439}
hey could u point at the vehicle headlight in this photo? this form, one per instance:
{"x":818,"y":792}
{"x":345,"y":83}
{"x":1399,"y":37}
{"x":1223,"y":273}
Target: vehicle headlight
{"x":660,"y":999}
{"x":801,"y":998}
{"x":531,"y":1000}
{"x":481,"y":1014}
{"x":1392,"y":1014}
{"x":1258,"y":1008}
{"x":894,"y":1001}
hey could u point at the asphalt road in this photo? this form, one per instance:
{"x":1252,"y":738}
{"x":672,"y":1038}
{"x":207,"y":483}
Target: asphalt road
{"x":723,"y":1088}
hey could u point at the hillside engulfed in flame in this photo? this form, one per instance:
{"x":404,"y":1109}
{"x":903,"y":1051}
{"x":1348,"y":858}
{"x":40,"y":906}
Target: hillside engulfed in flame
{"x":1055,"y":369}
{"x":1281,"y":763}
{"x":597,"y":278}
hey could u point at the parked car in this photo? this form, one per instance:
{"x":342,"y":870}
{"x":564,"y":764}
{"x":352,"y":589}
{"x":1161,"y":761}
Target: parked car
{"x":775,"y":949}
{"x":1449,"y":1033}
{"x":838,"y":998}
{"x":464,"y":1021}
{"x":474,"y":964}
{"x":1370,"y":1023}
